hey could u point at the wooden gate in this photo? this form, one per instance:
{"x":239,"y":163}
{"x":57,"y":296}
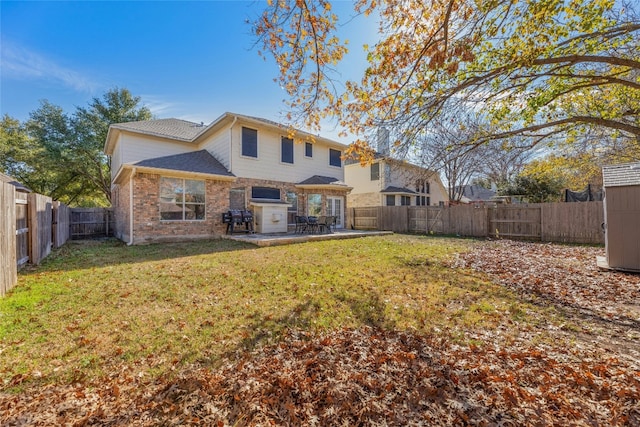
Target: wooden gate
{"x":515,"y":222}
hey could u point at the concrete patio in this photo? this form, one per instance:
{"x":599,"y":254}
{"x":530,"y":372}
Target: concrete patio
{"x":291,"y":238}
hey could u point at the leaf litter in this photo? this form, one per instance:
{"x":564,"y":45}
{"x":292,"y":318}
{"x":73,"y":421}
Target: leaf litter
{"x":372,"y":376}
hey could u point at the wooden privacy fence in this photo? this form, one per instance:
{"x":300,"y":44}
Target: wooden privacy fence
{"x":8,"y":263}
{"x":87,"y":223}
{"x":30,"y":225}
{"x":550,"y":222}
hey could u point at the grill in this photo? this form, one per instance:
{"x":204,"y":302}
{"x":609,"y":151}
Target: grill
{"x":235,"y":219}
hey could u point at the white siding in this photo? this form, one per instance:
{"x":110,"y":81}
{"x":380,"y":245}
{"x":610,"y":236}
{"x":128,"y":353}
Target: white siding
{"x":438,"y":192}
{"x":218,"y":145}
{"x":141,"y":147}
{"x":116,"y":161}
{"x":268,"y":165}
{"x":359,"y":177}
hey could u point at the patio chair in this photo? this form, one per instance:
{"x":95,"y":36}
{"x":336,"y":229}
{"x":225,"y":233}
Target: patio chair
{"x":324,"y":224}
{"x":301,"y":224}
{"x":312,"y":224}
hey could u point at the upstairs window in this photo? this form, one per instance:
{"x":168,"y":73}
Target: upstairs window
{"x":422,"y":186}
{"x":249,"y":142}
{"x":286,"y":150}
{"x":334,"y":157}
{"x":308,"y":149}
{"x":375,"y":171}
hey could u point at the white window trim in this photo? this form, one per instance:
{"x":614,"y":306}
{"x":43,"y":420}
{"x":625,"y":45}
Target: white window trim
{"x":184,"y":204}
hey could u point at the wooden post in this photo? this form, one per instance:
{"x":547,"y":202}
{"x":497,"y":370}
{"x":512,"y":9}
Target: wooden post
{"x":32,"y":214}
{"x":542,"y":213}
{"x":8,"y":262}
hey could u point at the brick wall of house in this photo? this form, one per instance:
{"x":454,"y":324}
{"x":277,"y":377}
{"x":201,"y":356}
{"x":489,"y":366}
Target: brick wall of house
{"x":149,"y":228}
{"x":289,"y":187}
{"x":363,"y":200}
{"x":120,"y":203}
{"x":146,"y":201}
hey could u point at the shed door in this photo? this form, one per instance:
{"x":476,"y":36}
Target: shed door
{"x":622,"y":216}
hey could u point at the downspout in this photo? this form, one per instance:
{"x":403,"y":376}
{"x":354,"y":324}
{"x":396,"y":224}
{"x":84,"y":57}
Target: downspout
{"x":235,"y":119}
{"x":131,"y":207}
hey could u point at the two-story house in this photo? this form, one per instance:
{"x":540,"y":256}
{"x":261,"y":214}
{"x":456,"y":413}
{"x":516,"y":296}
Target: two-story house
{"x":390,"y":182}
{"x":173,"y":179}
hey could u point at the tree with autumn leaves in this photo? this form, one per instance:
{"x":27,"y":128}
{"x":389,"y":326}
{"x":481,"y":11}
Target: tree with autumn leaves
{"x":533,"y":72}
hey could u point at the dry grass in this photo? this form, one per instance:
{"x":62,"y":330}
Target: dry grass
{"x":92,"y":307}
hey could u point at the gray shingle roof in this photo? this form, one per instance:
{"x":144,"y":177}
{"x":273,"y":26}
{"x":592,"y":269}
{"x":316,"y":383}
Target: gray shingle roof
{"x":392,"y":189}
{"x":19,"y":186}
{"x":318,"y":180}
{"x":475,"y":192}
{"x":621,"y":175}
{"x":198,"y":161}
{"x":171,"y":128}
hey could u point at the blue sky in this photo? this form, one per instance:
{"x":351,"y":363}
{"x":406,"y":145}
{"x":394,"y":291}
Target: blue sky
{"x":191,"y":60}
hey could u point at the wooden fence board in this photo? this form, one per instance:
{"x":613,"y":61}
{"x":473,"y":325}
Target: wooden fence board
{"x":467,"y":220}
{"x":573,"y":222}
{"x":29,"y":225}
{"x":86,"y":223}
{"x":365,"y":218}
{"x":39,"y":227}
{"x":393,"y":218}
{"x":8,"y":264}
{"x":515,"y":221}
{"x":553,"y":222}
{"x":60,"y":226}
{"x":22,"y":229}
{"x":426,"y":219}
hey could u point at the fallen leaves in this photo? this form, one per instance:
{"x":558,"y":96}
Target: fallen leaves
{"x":565,"y":275}
{"x":373,"y":376}
{"x":356,"y":377}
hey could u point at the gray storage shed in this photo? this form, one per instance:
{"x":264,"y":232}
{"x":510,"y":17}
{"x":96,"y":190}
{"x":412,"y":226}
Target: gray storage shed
{"x":622,"y":215}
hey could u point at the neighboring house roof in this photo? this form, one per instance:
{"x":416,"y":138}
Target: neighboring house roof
{"x":185,"y":131}
{"x":621,"y":175}
{"x":19,"y":186}
{"x":396,"y":190}
{"x":196,"y":162}
{"x":475,"y":193}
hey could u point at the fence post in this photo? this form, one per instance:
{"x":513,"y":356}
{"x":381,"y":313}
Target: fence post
{"x":8,"y":261}
{"x":542,"y":222}
{"x":32,"y":209}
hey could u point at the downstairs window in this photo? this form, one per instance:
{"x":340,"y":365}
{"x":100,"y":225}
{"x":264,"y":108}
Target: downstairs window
{"x":182,"y":199}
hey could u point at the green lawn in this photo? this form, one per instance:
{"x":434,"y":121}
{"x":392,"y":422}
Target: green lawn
{"x":92,"y":307}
